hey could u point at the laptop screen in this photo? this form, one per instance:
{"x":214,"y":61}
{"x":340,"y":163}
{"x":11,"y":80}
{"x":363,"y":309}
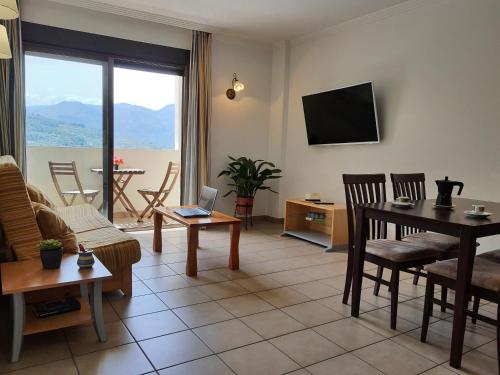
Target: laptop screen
{"x":207,"y":198}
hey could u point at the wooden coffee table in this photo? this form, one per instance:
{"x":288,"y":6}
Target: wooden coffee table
{"x":193,"y":225}
{"x":28,"y":275}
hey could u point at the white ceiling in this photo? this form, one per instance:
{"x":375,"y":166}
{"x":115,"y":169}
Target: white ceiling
{"x":264,"y":20}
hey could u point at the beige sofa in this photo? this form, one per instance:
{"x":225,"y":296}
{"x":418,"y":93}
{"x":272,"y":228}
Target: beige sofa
{"x":115,"y":249}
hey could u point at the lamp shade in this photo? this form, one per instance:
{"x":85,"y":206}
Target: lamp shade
{"x":8,"y":9}
{"x":238,"y":86}
{"x":4,"y":44}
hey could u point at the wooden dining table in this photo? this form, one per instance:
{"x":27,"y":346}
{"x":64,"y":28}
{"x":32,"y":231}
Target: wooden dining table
{"x":121,"y":178}
{"x":425,"y":216}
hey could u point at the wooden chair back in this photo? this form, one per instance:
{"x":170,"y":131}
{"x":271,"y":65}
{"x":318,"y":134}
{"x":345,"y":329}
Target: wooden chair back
{"x":173,"y":171}
{"x":410,"y":185}
{"x":361,"y":189}
{"x":65,"y":169}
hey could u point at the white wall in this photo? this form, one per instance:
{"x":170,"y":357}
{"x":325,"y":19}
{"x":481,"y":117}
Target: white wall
{"x":435,"y":67}
{"x":239,"y":127}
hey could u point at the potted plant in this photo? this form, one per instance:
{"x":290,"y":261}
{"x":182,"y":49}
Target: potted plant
{"x":248,"y":178}
{"x":51,"y":252}
{"x":117,"y":162}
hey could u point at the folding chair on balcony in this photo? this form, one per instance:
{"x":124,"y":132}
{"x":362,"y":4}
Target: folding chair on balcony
{"x":157,"y":197}
{"x":69,"y":169}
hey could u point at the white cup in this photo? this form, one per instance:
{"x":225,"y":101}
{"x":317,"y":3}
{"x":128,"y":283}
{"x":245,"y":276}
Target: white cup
{"x":478,"y":208}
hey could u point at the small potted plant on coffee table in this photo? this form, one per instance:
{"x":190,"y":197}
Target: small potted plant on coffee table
{"x":248,"y":177}
{"x":51,"y":252}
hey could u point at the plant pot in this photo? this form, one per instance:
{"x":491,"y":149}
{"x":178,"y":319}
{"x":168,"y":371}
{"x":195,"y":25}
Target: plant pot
{"x":51,"y":259}
{"x":244,"y":206}
{"x":86,"y":259}
{"x":116,"y":167}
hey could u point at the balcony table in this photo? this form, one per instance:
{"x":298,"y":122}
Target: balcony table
{"x":425,"y":216}
{"x":121,"y":178}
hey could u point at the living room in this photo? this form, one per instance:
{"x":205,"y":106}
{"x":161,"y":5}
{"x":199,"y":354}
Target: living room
{"x":279,"y":304}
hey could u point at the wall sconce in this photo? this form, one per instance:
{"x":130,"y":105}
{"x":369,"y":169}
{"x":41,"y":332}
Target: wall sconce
{"x":237,"y":87}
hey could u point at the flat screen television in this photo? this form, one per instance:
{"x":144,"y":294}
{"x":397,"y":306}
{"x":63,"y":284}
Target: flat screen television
{"x":342,"y":116}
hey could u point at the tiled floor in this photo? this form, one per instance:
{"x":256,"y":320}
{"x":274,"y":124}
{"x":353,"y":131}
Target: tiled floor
{"x":281,"y":313}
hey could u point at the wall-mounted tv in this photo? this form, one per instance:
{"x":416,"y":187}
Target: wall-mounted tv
{"x":342,"y":116}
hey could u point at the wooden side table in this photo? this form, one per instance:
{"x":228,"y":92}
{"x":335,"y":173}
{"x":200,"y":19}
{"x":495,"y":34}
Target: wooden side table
{"x":193,"y":225}
{"x":29,"y":275}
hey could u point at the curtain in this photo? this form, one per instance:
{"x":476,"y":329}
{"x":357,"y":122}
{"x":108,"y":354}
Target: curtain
{"x":12,"y":131}
{"x":196,"y":119}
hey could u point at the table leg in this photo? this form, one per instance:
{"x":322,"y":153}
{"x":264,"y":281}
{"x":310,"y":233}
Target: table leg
{"x":18,"y":307}
{"x":158,"y":223}
{"x":192,"y":262}
{"x":234,"y":256}
{"x":358,"y":259}
{"x":463,"y":284}
{"x":96,"y":307}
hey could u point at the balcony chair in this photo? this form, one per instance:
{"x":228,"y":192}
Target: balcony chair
{"x":485,"y":284}
{"x":157,"y":197}
{"x":69,"y":169}
{"x":395,"y":255}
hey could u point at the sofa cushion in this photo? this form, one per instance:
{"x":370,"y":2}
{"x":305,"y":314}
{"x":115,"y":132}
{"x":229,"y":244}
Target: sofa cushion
{"x":52,"y":226}
{"x":37,"y":196}
{"x":20,"y":229}
{"x":83,"y":217}
{"x":112,"y":247}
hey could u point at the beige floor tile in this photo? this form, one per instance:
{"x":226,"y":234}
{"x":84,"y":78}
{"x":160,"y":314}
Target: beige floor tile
{"x":345,"y":364}
{"x":108,"y":312}
{"x":139,"y":289}
{"x":290,"y":277}
{"x":312,"y":313}
{"x":299,"y":372}
{"x":126,"y":359}
{"x":335,"y":303}
{"x":206,"y":277}
{"x":439,"y":370}
{"x":307,"y":347}
{"x":155,"y":324}
{"x":37,"y":349}
{"x":183,"y":297}
{"x":436,"y":348}
{"x":261,"y":358}
{"x":489,"y":349}
{"x":227,"y":335}
{"x":64,"y":367}
{"x":391,"y":358}
{"x":245,"y":305}
{"x":145,"y":273}
{"x":471,"y":339}
{"x":146,"y":261}
{"x":225,"y":289}
{"x":272,"y":323}
{"x":380,"y":322}
{"x":202,"y":314}
{"x":316,"y":290}
{"x":83,"y":340}
{"x":173,"y":349}
{"x":476,"y":363}
{"x":163,"y":284}
{"x":258,"y":283}
{"x":205,"y":366}
{"x":128,"y":307}
{"x":349,"y":334}
{"x":282,"y":297}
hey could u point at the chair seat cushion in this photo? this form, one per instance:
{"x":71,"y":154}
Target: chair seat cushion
{"x":486,"y":274}
{"x":114,"y":248}
{"x":492,"y":256}
{"x":437,"y":241}
{"x":399,"y":251}
{"x":83,"y":217}
{"x":148,"y":191}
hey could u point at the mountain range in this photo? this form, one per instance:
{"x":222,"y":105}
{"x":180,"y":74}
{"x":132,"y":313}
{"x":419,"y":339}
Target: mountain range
{"x":76,"y":124}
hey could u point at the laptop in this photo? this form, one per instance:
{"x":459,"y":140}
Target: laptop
{"x":206,"y":204}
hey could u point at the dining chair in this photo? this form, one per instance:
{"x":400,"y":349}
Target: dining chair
{"x":58,"y":169}
{"x":392,"y":254}
{"x":492,"y":256}
{"x":157,"y":197}
{"x":485,"y":284}
{"x":412,"y":185}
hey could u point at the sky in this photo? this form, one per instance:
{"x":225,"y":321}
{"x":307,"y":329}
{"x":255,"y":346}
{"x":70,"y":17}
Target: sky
{"x":51,"y":81}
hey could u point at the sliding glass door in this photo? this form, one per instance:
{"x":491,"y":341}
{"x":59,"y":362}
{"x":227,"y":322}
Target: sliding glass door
{"x":64,"y":127}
